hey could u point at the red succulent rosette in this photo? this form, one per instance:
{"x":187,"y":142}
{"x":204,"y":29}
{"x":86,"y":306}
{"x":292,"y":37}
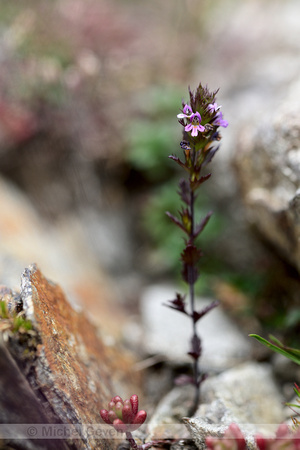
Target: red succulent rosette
{"x":124,"y":416}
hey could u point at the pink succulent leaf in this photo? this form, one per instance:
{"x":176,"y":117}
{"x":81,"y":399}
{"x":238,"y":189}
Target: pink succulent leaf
{"x":282,"y":431}
{"x":119,"y":426}
{"x":127,"y":414}
{"x":235,"y":432}
{"x":105,"y":416}
{"x":117,"y":399}
{"x":140,"y":418}
{"x":112,"y":416}
{"x":134,"y":400}
{"x":261,"y":442}
{"x":111,"y":405}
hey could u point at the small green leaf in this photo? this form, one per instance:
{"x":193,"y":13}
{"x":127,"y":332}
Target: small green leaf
{"x":292,"y":404}
{"x":292,"y":354}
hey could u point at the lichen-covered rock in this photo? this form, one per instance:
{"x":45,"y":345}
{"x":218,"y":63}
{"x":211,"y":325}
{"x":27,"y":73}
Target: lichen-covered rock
{"x":268,"y":168}
{"x":72,"y":373}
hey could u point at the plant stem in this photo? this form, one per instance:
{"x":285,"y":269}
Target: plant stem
{"x":192,"y":290}
{"x":134,"y":445}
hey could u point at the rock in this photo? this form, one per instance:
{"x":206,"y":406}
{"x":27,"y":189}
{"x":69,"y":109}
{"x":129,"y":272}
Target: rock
{"x":166,"y":421}
{"x":19,"y":406}
{"x":246,"y":395}
{"x":71,"y":372}
{"x":268,"y":168}
{"x":168,"y":332}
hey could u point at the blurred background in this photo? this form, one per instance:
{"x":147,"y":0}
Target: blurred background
{"x":89,"y":92}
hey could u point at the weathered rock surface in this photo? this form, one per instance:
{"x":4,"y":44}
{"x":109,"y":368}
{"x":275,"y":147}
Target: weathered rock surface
{"x":19,"y":405}
{"x":72,"y":374}
{"x":168,"y":332}
{"x":268,"y":167}
{"x":166,"y":422}
{"x":246,"y":395}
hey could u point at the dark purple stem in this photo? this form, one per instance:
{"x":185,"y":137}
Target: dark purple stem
{"x":192,"y":293}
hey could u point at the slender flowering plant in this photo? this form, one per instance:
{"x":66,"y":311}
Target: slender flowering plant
{"x":200,"y":119}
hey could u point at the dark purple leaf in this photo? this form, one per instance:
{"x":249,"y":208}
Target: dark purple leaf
{"x":191,"y":255}
{"x":176,"y":221}
{"x":197,"y":183}
{"x":178,"y":161}
{"x":198,"y":314}
{"x":210,"y":154}
{"x":178,"y":304}
{"x":199,"y":228}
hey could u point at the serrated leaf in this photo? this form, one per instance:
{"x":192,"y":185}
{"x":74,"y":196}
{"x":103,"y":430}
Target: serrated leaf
{"x":176,"y":221}
{"x":178,"y":161}
{"x":200,"y":227}
{"x":199,"y":314}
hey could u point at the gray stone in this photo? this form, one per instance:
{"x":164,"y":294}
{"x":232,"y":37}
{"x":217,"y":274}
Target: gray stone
{"x":268,"y":167}
{"x":166,"y":421}
{"x":246,"y":395}
{"x":168,"y":332}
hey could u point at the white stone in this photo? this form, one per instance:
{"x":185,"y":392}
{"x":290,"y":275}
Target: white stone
{"x":168,"y":332}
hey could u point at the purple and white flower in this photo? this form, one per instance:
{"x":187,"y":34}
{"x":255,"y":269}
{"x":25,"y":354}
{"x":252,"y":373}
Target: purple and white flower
{"x":194,"y":126}
{"x":186,"y":113}
{"x":213,"y":107}
{"x":220,"y":121}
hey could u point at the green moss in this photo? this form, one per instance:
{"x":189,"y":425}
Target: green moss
{"x":3,"y":310}
{"x":21,"y":324}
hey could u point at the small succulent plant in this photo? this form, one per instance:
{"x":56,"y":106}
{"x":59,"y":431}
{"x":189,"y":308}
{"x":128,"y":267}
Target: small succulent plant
{"x":125,"y":417}
{"x":233,"y":439}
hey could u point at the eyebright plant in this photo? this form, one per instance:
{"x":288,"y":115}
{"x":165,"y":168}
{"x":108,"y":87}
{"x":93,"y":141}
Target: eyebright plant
{"x":200,"y":119}
{"x":233,"y":439}
{"x":125,"y":417}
